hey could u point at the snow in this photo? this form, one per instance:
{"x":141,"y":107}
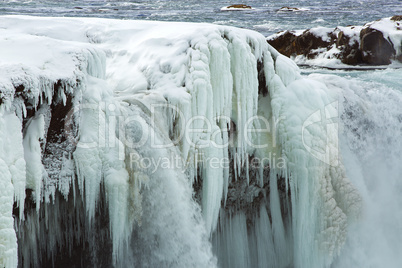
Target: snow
{"x":326,"y":58}
{"x":144,"y":92}
{"x":294,"y":32}
{"x":353,"y":32}
{"x":323,"y":32}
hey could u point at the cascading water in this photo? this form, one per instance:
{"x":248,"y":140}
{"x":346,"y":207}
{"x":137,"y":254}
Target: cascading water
{"x":371,"y":120}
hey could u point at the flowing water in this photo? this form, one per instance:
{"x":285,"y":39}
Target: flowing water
{"x":263,"y":18}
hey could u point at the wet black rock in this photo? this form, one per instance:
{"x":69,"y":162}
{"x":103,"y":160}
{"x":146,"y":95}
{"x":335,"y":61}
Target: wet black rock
{"x":375,"y":49}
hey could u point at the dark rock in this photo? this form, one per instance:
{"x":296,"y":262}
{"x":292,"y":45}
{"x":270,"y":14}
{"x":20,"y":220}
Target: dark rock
{"x":284,"y":43}
{"x":19,"y":88}
{"x":291,"y":45}
{"x":262,"y":81}
{"x":239,"y":6}
{"x":350,"y":54}
{"x":289,"y":9}
{"x":397,"y":18}
{"x":376,"y":50}
{"x":308,"y":42}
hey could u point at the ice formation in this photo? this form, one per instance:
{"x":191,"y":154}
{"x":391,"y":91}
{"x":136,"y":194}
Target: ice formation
{"x":142,"y":137}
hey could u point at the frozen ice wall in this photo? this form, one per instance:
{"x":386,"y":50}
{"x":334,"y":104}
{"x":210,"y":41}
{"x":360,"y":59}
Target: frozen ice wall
{"x":164,"y":144}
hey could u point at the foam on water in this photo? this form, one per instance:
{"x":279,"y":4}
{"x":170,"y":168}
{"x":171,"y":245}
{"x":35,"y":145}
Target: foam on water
{"x":371,"y":146}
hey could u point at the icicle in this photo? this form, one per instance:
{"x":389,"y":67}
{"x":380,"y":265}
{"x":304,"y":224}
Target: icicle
{"x":13,"y":155}
{"x":311,"y":190}
{"x":212,"y":189}
{"x":35,"y":132}
{"x":232,"y":243}
{"x":8,"y":240}
{"x":262,"y":244}
{"x":278,"y":227}
{"x":117,"y":187}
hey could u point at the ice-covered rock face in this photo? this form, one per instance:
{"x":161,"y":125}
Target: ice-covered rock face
{"x":118,"y":128}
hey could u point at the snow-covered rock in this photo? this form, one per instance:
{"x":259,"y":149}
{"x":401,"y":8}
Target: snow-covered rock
{"x":292,"y":9}
{"x":236,"y":7}
{"x":375,"y":43}
{"x":112,"y":126}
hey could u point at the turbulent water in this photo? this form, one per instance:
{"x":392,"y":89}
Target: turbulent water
{"x":371,"y":146}
{"x":370,"y":109}
{"x":264,"y":18}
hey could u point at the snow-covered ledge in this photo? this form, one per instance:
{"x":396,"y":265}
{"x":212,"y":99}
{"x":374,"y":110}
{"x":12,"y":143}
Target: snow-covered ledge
{"x":91,"y":109}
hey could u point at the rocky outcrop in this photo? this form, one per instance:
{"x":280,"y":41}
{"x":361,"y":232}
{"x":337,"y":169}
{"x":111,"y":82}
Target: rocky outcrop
{"x":375,"y":43}
{"x":292,"y":9}
{"x":396,"y":18}
{"x":350,"y":52}
{"x":306,"y":44}
{"x":239,"y":6}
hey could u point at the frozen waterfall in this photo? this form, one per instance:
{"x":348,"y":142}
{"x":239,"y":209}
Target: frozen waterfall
{"x":149,"y":144}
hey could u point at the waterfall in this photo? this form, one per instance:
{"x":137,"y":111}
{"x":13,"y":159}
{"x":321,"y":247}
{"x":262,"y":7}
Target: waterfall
{"x":140,"y":143}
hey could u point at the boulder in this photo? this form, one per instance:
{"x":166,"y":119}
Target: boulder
{"x":288,"y":9}
{"x":376,"y":50}
{"x":239,"y":6}
{"x":291,"y":9}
